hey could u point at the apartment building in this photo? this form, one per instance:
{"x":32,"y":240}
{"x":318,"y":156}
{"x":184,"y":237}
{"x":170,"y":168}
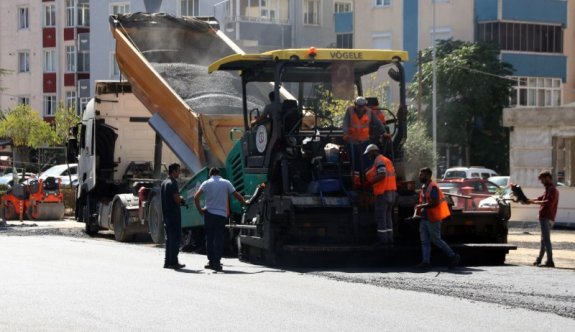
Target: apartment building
{"x":255,"y":25}
{"x":44,"y":46}
{"x":532,"y":35}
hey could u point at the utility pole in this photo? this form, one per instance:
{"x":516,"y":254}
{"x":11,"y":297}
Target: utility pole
{"x":434,"y":103}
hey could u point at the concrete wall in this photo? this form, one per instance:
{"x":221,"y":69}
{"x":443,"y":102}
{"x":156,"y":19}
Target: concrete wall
{"x":531,"y":151}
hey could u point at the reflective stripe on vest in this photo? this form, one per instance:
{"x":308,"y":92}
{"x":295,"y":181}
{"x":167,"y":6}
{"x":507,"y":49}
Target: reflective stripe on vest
{"x":359,"y":127}
{"x":441,"y":210}
{"x":386,"y":184}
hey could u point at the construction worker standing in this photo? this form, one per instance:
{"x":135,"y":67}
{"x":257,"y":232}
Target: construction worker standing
{"x":381,"y":176}
{"x":357,"y":122}
{"x":433,"y":209}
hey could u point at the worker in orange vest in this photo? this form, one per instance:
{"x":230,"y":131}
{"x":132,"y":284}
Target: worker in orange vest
{"x":357,"y":122}
{"x":433,"y":209}
{"x":381,"y":177}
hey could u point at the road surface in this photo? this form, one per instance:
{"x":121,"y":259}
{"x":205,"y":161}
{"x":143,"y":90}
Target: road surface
{"x":56,"y":283}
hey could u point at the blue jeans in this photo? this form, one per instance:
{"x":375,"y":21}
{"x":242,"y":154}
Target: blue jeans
{"x":545,"y":241}
{"x":431,"y":232}
{"x":215,"y":226}
{"x":173,"y":234}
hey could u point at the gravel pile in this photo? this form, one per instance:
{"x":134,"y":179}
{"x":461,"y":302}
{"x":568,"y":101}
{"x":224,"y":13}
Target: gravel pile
{"x":216,"y":93}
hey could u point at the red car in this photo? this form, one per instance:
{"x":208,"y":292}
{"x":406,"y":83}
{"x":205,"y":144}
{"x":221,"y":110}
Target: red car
{"x":480,"y":189}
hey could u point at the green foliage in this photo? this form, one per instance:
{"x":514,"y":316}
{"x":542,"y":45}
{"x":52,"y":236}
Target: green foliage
{"x":65,"y":119}
{"x":418,"y":149}
{"x":471,"y":94}
{"x":334,"y":109}
{"x":25,"y":127}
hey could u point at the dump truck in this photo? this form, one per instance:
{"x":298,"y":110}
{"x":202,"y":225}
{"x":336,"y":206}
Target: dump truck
{"x":167,"y":93}
{"x":118,"y":156}
{"x":303,"y":198}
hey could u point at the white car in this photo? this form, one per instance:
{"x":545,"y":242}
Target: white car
{"x":63,"y":173}
{"x":502,"y":181}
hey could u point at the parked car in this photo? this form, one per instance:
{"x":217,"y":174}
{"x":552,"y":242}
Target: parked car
{"x":469,"y":173}
{"x":8,"y":178}
{"x":493,"y":202}
{"x":63,"y":173}
{"x":480,"y":189}
{"x":502,"y":181}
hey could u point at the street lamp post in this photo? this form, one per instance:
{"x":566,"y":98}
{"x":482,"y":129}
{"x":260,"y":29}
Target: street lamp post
{"x":434,"y":93}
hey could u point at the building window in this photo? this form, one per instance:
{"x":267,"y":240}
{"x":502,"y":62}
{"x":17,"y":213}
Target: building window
{"x":564,"y":160}
{"x":536,"y":92}
{"x":71,"y":100}
{"x":83,"y":62}
{"x":83,"y":102}
{"x":381,"y":41}
{"x":49,"y":105}
{"x":311,"y":12}
{"x":70,"y":59}
{"x":382,"y":3}
{"x":440,"y":34}
{"x":120,"y":8}
{"x":83,"y":14}
{"x":23,"y":17}
{"x":23,"y":62}
{"x":49,"y":16}
{"x":114,"y":68}
{"x":49,"y":61}
{"x":344,"y":40}
{"x":342,"y":7}
{"x":522,"y":37}
{"x":24,"y":100}
{"x":189,"y":7}
{"x":70,"y":13}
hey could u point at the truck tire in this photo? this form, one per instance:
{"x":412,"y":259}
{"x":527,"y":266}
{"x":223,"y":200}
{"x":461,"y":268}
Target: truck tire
{"x":156,"y":221}
{"x":91,"y":226}
{"x":118,"y":218}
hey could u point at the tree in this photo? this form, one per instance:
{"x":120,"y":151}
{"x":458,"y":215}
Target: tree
{"x":472,"y":91}
{"x":26,"y":129}
{"x":418,"y":147}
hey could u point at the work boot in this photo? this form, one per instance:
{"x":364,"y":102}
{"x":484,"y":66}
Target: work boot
{"x":537,"y":262}
{"x":454,"y":261}
{"x":179,"y":266}
{"x":423,"y":266}
{"x":547,"y":264}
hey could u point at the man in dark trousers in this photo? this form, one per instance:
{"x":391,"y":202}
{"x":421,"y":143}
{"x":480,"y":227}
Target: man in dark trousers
{"x":171,"y":202}
{"x":547,"y":212}
{"x":215,"y":212}
{"x":433,"y":209}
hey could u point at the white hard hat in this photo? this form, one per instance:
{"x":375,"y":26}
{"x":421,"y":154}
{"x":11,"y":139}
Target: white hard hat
{"x":371,"y":147}
{"x":360,"y":101}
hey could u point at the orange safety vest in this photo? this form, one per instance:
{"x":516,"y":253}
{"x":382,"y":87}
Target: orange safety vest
{"x":441,"y":210}
{"x":386,"y":184}
{"x":359,"y":127}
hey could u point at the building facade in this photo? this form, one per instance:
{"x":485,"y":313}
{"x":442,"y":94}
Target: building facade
{"x":256,"y":26}
{"x":44,"y":48}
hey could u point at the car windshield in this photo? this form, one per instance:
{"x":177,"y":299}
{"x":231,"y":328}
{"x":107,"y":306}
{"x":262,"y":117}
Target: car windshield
{"x":455,"y":174}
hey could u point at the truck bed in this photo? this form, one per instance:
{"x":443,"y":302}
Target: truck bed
{"x":165,"y":60}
